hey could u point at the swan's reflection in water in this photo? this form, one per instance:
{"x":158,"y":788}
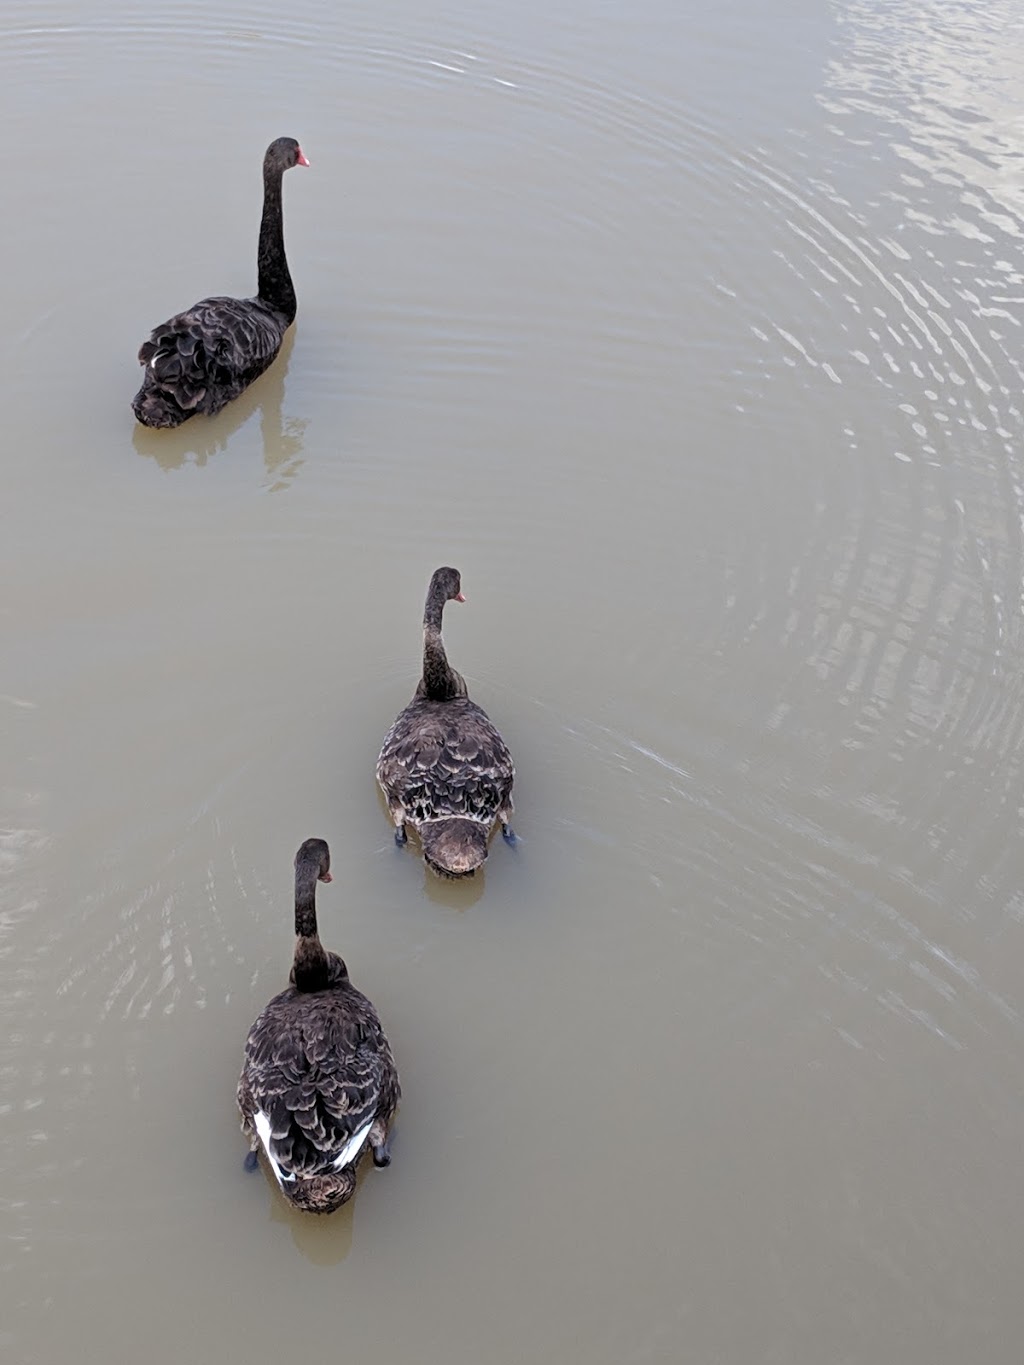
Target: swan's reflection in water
{"x":201,"y":437}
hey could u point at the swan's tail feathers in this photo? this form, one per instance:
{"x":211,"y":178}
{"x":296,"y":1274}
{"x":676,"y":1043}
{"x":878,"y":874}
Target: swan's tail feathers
{"x":155,"y":407}
{"x":454,"y":848}
{"x":175,"y":382}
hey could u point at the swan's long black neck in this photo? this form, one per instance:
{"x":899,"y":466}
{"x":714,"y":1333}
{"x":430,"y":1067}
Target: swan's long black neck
{"x":440,"y":681}
{"x":310,"y":965}
{"x":275,"y":282}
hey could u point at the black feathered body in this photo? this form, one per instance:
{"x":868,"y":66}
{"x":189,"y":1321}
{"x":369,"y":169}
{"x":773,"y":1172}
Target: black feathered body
{"x":445,"y":761}
{"x":203,"y":358}
{"x":319,"y":1067}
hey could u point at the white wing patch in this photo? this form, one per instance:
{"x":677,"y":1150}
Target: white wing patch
{"x":262,"y":1125}
{"x":353,"y":1147}
{"x":345,"y":1157}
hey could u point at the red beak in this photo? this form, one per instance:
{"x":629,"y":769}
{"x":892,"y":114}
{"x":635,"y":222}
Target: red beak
{"x":459,"y":597}
{"x":301,"y":159}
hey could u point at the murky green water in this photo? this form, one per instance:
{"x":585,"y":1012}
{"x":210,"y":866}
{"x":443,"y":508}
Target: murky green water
{"x":691,"y":335}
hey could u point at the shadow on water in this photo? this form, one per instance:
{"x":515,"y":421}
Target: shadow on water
{"x":324,"y":1240}
{"x":460,"y":895}
{"x":202,"y":437}
{"x":455,"y":895}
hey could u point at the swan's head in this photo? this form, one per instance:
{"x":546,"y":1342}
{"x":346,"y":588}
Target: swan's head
{"x":447,"y":585}
{"x":315,"y":853}
{"x":283,"y":154}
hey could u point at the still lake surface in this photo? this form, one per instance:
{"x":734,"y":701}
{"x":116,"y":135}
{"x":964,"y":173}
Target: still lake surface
{"x":691,"y":335}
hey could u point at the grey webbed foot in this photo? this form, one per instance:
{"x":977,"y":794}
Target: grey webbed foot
{"x":509,"y":835}
{"x":252,"y":1160}
{"x":401,"y":838}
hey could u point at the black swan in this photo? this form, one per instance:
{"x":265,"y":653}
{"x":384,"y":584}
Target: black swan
{"x":443,"y":767}
{"x":319,"y":1084}
{"x":203,"y":358}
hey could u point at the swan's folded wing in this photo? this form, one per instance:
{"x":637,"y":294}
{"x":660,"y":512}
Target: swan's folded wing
{"x":214,"y":344}
{"x":446,"y":759}
{"x":320,"y":1070}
